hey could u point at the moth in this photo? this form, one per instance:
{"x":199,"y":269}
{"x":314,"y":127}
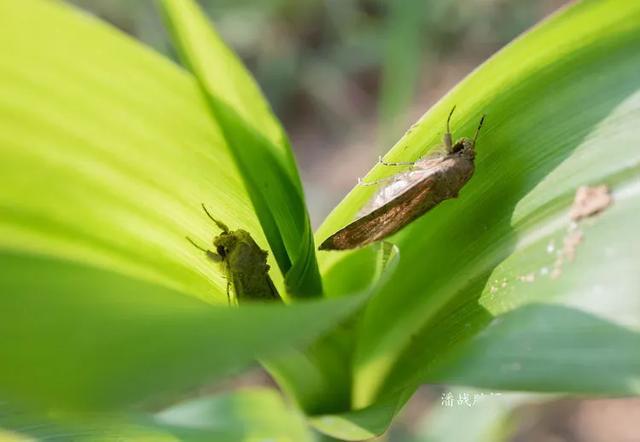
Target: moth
{"x":243,"y":262}
{"x":410,"y":194}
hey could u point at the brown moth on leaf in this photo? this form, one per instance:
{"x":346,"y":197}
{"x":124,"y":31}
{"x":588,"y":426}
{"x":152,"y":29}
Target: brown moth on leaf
{"x":244,"y":264}
{"x":409,"y":195}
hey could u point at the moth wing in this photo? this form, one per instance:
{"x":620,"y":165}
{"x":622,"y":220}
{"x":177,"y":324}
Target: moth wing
{"x":254,"y":285}
{"x":384,"y":220}
{"x":430,"y":163}
{"x":400,"y":184}
{"x":437,"y":151}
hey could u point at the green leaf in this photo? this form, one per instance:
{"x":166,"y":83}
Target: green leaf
{"x":75,"y":337}
{"x":319,"y":377}
{"x":563,"y":110}
{"x":250,"y":415}
{"x":107,"y":151}
{"x":259,"y":146}
{"x":246,"y":415}
{"x":361,"y":424}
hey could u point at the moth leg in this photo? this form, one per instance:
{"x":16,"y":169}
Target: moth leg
{"x":448,"y":139}
{"x":380,"y":181}
{"x":213,"y":256}
{"x":401,"y":163}
{"x":222,"y":226}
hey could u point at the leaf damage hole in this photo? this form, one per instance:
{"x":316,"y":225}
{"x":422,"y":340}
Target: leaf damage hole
{"x":588,"y":201}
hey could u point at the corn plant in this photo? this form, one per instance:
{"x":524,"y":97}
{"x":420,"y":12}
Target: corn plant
{"x":109,"y":318}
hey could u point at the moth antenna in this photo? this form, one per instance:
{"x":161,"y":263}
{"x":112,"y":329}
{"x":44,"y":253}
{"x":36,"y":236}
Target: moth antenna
{"x":222,"y":226}
{"x":448,"y":140}
{"x":196,"y":245}
{"x":449,"y":118}
{"x":475,"y":137}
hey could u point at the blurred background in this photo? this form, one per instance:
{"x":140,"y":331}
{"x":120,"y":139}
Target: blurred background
{"x":347,"y":78}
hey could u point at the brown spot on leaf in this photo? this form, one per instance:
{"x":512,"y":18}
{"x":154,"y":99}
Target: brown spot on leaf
{"x":571,"y":241}
{"x":590,"y":201}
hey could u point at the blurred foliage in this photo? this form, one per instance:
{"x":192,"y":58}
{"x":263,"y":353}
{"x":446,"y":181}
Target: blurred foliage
{"x":335,"y":62}
{"x":246,"y":415}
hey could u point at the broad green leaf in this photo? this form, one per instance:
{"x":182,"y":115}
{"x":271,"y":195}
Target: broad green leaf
{"x":261,"y":150}
{"x":319,"y":377}
{"x":75,"y":337}
{"x":246,"y":415}
{"x":563,"y":110}
{"x":107,"y":152}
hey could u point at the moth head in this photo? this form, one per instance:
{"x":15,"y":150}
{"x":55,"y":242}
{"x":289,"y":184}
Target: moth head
{"x":225,"y":243}
{"x":464,"y":147}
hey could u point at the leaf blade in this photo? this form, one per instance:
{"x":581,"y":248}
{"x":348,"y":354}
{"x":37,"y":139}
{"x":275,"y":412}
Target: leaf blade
{"x":558,"y":116}
{"x":129,"y":342}
{"x":261,"y":151}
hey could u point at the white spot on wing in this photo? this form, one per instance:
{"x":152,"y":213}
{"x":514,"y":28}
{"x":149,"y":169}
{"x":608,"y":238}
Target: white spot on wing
{"x":404,"y":181}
